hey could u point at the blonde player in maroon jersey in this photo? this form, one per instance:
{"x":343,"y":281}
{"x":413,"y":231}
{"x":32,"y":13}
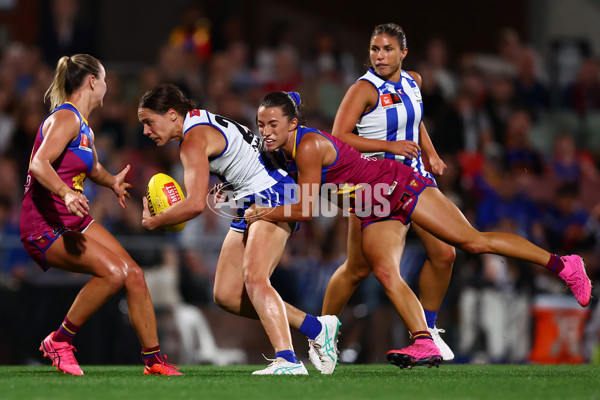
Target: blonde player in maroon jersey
{"x":386,"y":196}
{"x":57,"y":230}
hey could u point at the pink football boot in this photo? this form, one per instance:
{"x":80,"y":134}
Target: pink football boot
{"x":162,"y":368}
{"x":61,"y":354}
{"x":576,"y":278}
{"x":421,"y":352}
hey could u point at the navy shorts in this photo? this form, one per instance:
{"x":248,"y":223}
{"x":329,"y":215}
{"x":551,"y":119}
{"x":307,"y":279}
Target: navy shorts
{"x":277,"y":195}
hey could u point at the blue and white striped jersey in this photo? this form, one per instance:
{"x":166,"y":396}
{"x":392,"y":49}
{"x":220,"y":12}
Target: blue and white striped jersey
{"x":241,"y":164}
{"x":397,"y":115}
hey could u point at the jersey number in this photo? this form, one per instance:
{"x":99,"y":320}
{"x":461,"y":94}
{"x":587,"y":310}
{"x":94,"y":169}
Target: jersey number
{"x":247,"y":134}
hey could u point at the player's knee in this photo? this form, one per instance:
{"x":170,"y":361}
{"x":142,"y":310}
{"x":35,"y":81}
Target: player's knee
{"x":255,"y":282}
{"x":117,"y":277}
{"x":222,"y":300}
{"x":135,"y":278}
{"x":358,"y":275}
{"x":444,"y":257}
{"x":354,"y":272}
{"x":385,"y":275}
{"x":475,"y":247}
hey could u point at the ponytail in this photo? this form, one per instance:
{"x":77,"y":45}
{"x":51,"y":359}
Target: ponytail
{"x":70,"y":74}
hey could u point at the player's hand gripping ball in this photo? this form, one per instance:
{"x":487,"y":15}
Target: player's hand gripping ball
{"x":163,"y":192}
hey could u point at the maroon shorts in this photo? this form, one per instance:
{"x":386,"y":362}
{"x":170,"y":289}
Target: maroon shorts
{"x":36,"y":245}
{"x":403,"y":202}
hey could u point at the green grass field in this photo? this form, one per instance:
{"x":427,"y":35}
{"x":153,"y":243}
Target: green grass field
{"x":373,"y":381}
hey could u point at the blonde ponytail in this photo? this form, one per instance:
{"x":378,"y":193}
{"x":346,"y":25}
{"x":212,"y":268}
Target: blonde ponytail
{"x":70,"y":74}
{"x":56,"y":93}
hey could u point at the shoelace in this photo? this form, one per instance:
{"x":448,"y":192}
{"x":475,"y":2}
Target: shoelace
{"x":65,"y":354}
{"x":271,"y":360}
{"x":169,"y":365}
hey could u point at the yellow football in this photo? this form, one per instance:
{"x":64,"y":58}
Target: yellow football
{"x":163,"y":192}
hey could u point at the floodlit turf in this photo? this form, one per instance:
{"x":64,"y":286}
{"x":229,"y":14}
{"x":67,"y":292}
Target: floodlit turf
{"x":373,"y":381}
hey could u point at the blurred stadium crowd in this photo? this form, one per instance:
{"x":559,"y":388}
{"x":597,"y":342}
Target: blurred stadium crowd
{"x":520,"y":136}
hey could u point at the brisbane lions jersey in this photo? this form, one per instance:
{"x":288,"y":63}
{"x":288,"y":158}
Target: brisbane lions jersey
{"x":43,"y":210}
{"x":355,"y":182}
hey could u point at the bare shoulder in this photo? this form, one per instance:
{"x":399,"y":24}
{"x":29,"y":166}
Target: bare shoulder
{"x":204,"y":138}
{"x":64,"y":121}
{"x":195,"y":137}
{"x":416,"y":77}
{"x":362,"y":93}
{"x":364,"y":87}
{"x":309,"y":144}
{"x":64,"y":116}
{"x":313,"y":146}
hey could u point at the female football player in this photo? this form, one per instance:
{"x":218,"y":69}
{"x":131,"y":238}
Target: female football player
{"x":386,"y":195}
{"x":214,"y":144}
{"x":385,"y":105}
{"x":57,"y":230}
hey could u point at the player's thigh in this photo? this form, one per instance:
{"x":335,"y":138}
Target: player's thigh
{"x":383,"y":243}
{"x":264,"y":247}
{"x":102,"y":235}
{"x":77,"y":252}
{"x":356,"y":260}
{"x":437,"y":250}
{"x":436,"y":214}
{"x":229,"y":279}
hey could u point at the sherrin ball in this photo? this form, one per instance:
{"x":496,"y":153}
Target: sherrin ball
{"x":163,"y":192}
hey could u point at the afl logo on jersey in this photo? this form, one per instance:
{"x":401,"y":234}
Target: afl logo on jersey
{"x":390,"y":99}
{"x":86,"y":143}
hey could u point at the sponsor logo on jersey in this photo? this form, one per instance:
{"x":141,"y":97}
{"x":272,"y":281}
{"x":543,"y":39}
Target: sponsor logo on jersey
{"x":85,"y":143}
{"x":390,"y":99}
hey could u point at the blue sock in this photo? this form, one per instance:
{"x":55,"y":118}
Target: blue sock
{"x":430,"y":317}
{"x":311,"y":327}
{"x":289,"y":355}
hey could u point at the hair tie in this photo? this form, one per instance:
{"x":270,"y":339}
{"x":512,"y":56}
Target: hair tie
{"x":295,"y":98}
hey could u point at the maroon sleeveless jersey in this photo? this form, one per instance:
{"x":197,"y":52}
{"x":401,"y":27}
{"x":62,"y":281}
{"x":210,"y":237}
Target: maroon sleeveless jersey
{"x":374,"y":189}
{"x":43,"y":211}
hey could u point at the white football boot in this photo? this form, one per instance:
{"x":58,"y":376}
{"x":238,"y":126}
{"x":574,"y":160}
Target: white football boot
{"x":447,"y":353}
{"x":323,"y":351}
{"x":281,"y":366}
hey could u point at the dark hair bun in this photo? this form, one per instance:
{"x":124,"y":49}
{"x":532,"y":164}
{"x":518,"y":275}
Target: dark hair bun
{"x":296,"y":97}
